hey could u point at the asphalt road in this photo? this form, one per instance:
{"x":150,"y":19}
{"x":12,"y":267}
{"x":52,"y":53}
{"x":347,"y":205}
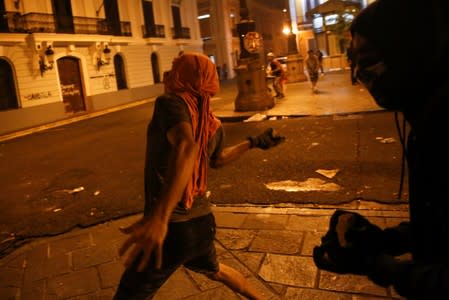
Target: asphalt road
{"x":91,"y":171}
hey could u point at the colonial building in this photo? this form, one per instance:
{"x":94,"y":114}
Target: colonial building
{"x":315,"y":24}
{"x":63,"y":58}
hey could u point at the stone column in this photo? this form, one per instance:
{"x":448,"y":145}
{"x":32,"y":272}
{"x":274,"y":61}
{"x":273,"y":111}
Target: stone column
{"x":223,"y":36}
{"x":252,"y":94}
{"x":295,"y":61}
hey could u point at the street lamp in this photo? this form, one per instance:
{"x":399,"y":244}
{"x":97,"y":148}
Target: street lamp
{"x":47,"y":60}
{"x":104,"y":58}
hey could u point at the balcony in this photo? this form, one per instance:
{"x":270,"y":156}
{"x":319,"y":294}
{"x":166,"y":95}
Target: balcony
{"x":153,"y":31}
{"x":180,"y":33}
{"x":13,"y":22}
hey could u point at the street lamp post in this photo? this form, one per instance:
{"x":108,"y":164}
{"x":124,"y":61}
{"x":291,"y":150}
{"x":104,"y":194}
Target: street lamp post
{"x":252,"y":94}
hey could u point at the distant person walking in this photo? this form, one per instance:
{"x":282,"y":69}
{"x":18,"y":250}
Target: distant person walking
{"x":313,"y":68}
{"x":319,"y":54}
{"x":351,"y":61}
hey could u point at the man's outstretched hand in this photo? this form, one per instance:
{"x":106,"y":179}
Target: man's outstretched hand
{"x":146,"y":239}
{"x":266,"y":140}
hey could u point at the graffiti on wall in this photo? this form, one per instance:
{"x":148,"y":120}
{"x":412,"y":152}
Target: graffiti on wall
{"x":69,"y":90}
{"x":37,"y":96}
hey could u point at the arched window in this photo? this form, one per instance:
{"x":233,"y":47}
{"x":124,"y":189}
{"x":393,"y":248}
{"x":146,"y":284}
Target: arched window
{"x":120,"y":74}
{"x":8,"y":96}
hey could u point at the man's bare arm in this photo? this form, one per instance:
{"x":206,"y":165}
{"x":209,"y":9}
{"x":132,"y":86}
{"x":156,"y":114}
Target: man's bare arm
{"x":230,"y":154}
{"x":148,"y":234}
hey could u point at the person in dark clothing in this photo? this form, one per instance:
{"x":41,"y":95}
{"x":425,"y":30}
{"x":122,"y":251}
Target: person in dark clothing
{"x":319,"y":54}
{"x":178,"y":228}
{"x":388,"y":37}
{"x":352,"y":63}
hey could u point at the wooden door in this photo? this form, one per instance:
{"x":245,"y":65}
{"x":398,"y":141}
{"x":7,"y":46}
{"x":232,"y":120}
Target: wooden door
{"x":71,"y":85}
{"x":155,"y":68}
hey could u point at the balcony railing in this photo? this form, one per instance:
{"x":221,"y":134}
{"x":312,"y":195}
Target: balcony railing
{"x":157,"y":31}
{"x":39,"y":22}
{"x":181,"y":33}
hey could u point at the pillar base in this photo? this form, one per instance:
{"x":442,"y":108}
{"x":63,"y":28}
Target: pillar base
{"x":295,"y":68}
{"x":253,"y":93}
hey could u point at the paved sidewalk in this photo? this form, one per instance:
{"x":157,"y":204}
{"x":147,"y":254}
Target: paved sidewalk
{"x":270,"y":245}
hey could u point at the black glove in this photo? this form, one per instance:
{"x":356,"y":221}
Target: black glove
{"x":265,"y":140}
{"x":351,"y":244}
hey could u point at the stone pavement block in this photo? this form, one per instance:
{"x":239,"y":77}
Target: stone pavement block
{"x":366,"y":297}
{"x":34,"y":272}
{"x":68,"y":244}
{"x":279,"y":289}
{"x":313,"y":294}
{"x":11,"y":277}
{"x":14,"y":260}
{"x":57,"y":264}
{"x":93,"y":256}
{"x":36,"y":252}
{"x":229,"y":219}
{"x":289,"y":270}
{"x":264,"y":288}
{"x":220,"y":293}
{"x":178,"y":286}
{"x":311,"y":239}
{"x":108,"y":234}
{"x":107,"y":294}
{"x":252,"y":260}
{"x":202,"y":282}
{"x":235,"y":239}
{"x":265,"y":221}
{"x":277,"y":241}
{"x":74,"y":284}
{"x":110,"y":273}
{"x":9,"y":292}
{"x":234,"y":263}
{"x":349,"y":283}
{"x":33,"y":291}
{"x":308,"y":223}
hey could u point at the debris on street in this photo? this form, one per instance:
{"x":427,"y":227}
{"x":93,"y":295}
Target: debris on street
{"x":388,"y":140}
{"x":311,"y":184}
{"x":255,"y":118}
{"x":328,"y":173}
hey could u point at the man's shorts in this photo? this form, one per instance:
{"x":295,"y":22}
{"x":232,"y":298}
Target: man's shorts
{"x":189,"y":243}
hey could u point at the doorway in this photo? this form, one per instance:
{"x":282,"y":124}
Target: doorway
{"x":120,"y":74}
{"x":71,"y":87}
{"x":155,"y":68}
{"x":8,"y":96}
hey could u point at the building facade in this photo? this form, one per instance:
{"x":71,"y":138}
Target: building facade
{"x":276,"y":20}
{"x":63,"y":58}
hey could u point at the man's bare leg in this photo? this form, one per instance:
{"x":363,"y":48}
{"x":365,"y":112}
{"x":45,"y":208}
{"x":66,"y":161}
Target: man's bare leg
{"x":236,"y":282}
